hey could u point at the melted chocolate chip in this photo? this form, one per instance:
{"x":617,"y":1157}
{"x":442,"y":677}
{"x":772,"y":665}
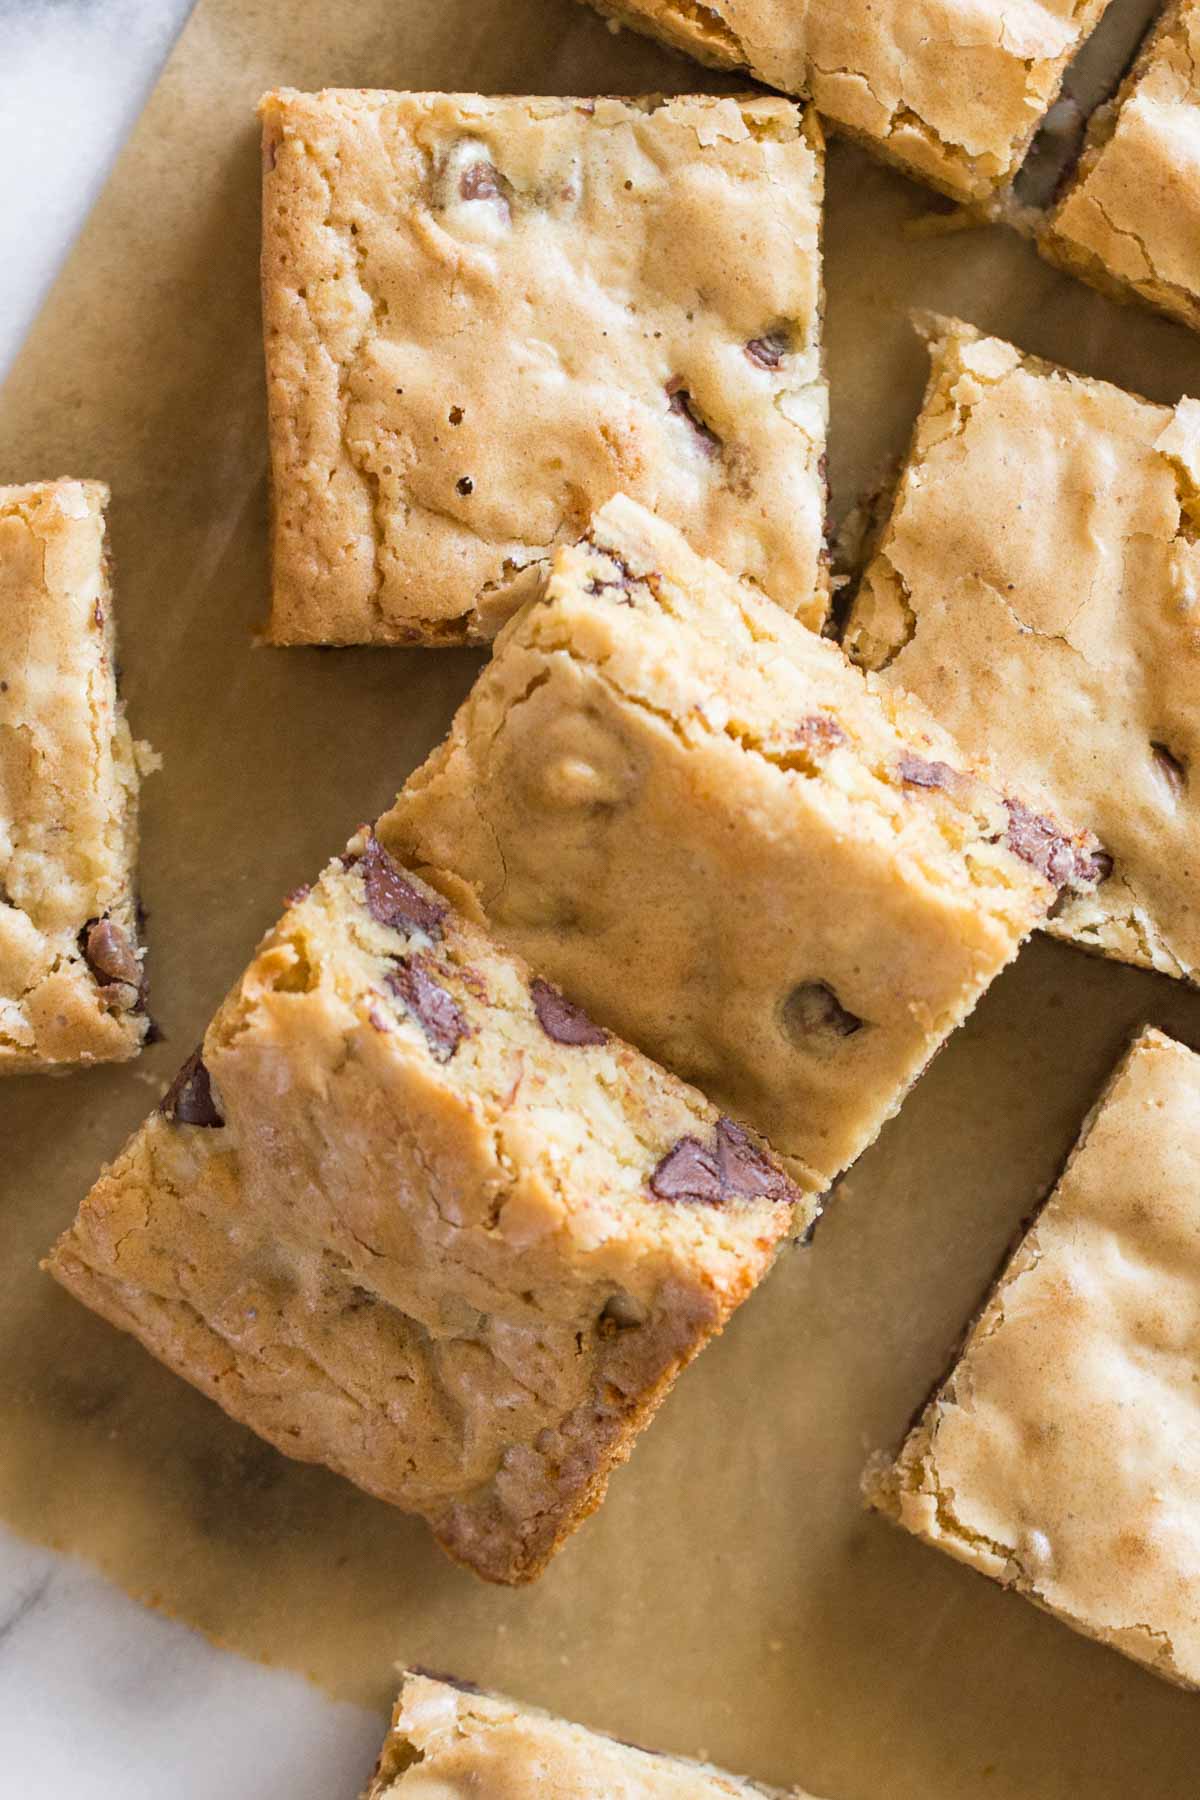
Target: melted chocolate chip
{"x":620,"y":581}
{"x":1038,"y":841}
{"x":813,"y":1009}
{"x":914,"y":771}
{"x":561,"y":1020}
{"x":769,"y":350}
{"x":735,"y":1166}
{"x":1173,"y":772}
{"x":435,"y":1010}
{"x":746,"y":1168}
{"x":392,"y":899}
{"x":819,"y":732}
{"x":189,"y":1099}
{"x":109,"y":954}
{"x":681,"y":403}
{"x":688,"y":1172}
{"x":483,"y":181}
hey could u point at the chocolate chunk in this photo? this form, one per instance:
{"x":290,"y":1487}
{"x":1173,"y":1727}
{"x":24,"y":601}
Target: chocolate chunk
{"x":680,"y":402}
{"x":109,"y":954}
{"x":745,"y":1166}
{"x":813,"y":1009}
{"x":1173,"y":772}
{"x":561,"y":1020}
{"x":735,"y":1166}
{"x":433,"y":1008}
{"x":1038,"y":841}
{"x":392,"y":899}
{"x":914,"y":771}
{"x":819,"y":732}
{"x":769,"y":350}
{"x":688,"y":1172}
{"x":189,"y":1099}
{"x":483,"y":181}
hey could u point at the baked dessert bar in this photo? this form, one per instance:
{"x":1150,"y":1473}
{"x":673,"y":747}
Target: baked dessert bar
{"x":951,"y":90}
{"x":717,"y":835}
{"x":485,"y":316}
{"x":411,"y":1214}
{"x":72,"y":988}
{"x":1037,"y":586}
{"x":1130,"y":220}
{"x":448,"y":1738}
{"x":1062,"y":1455}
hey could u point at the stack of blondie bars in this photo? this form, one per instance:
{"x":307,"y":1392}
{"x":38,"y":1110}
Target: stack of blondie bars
{"x":519,"y":1101}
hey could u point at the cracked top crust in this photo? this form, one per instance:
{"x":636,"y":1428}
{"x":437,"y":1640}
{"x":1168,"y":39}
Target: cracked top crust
{"x":453,"y":1742}
{"x":71,"y":988}
{"x":1038,"y":586}
{"x":485,"y":316}
{"x":1062,"y":1457}
{"x":952,"y":90}
{"x":712,"y":831}
{"x":1130,"y":221}
{"x":396,"y":1223}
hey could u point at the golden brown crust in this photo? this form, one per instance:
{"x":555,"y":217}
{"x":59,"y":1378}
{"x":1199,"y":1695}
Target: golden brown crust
{"x":1060,"y":1457}
{"x":415,"y":243}
{"x":951,"y":91}
{"x":408,"y":1217}
{"x":71,"y":987}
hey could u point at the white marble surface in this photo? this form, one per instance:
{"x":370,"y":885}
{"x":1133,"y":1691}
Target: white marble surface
{"x":99,"y":1699}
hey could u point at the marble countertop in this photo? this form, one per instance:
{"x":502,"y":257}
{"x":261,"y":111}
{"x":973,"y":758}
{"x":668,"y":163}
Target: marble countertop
{"x":99,"y":1698}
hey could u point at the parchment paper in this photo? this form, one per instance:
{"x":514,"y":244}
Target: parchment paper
{"x":731,"y":1599}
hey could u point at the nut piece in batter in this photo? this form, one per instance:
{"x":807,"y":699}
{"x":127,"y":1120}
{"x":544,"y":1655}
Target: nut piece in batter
{"x":72,"y":988}
{"x":951,"y":90}
{"x":1062,"y":1455}
{"x":409,"y":1213}
{"x":1130,"y":221}
{"x":450,"y":1739}
{"x":1038,"y":586}
{"x":728,"y":844}
{"x":484,"y":317}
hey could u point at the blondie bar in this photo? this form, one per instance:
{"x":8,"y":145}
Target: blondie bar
{"x":411,"y":1214}
{"x":1130,"y":221}
{"x":951,"y":90}
{"x":717,"y":835}
{"x":1038,"y":586}
{"x":72,"y":988}
{"x":485,"y":316}
{"x":449,"y":1738}
{"x":1062,"y":1455}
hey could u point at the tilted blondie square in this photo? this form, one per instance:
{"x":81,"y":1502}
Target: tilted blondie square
{"x":72,"y":988}
{"x":1130,"y":220}
{"x":1038,"y":586}
{"x":714,"y":833}
{"x":485,"y":316}
{"x":449,"y":1737}
{"x":951,"y":90}
{"x":409,"y":1213}
{"x":1062,"y":1455}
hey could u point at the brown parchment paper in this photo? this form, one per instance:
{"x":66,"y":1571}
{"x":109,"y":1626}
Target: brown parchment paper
{"x":731,"y":1598}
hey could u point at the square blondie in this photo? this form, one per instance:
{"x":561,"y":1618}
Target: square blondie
{"x":1062,"y":1455}
{"x":72,"y":988}
{"x":717,"y":835}
{"x":411,"y":1214}
{"x":1037,"y":585}
{"x":950,"y":90}
{"x":1129,"y":222}
{"x":450,"y":1737}
{"x":485,"y":316}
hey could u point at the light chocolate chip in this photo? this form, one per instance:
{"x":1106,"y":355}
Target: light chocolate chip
{"x":680,"y":402}
{"x":434,"y":1009}
{"x":819,"y":732}
{"x":768,"y":351}
{"x":813,"y":1011}
{"x":109,"y":954}
{"x":561,"y":1020}
{"x":914,"y":771}
{"x":1172,"y":771}
{"x":735,"y":1166}
{"x":189,"y":1099}
{"x":1041,"y":843}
